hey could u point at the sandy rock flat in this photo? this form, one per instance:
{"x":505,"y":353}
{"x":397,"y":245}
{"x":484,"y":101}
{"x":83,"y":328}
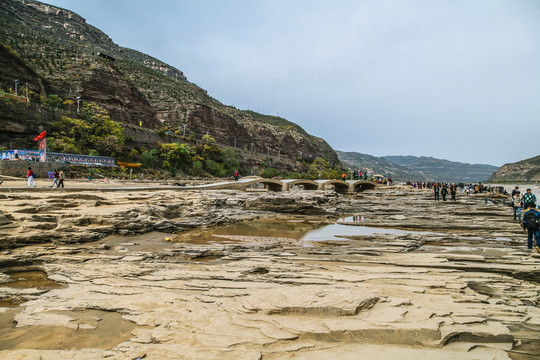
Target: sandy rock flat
{"x":131,"y":280}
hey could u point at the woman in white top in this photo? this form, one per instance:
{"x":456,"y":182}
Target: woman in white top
{"x":517,"y":205}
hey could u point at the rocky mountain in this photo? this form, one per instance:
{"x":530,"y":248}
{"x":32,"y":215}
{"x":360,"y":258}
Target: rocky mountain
{"x":380,"y":165}
{"x":522,"y":171}
{"x":53,"y":51}
{"x":444,"y":170}
{"x":404,"y":168}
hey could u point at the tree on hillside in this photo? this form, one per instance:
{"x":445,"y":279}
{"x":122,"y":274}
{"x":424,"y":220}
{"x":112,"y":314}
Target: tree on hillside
{"x":93,"y":130}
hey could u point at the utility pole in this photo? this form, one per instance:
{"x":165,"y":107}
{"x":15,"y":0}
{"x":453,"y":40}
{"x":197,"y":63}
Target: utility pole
{"x":16,"y":83}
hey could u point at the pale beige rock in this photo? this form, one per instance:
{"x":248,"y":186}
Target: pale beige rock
{"x":455,"y":291}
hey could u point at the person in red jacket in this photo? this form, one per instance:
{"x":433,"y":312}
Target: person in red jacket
{"x":30,"y":176}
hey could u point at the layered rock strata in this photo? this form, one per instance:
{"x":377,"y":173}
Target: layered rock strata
{"x":462,"y":288}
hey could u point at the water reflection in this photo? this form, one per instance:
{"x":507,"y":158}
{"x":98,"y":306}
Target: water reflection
{"x":255,"y":230}
{"x":297,"y":231}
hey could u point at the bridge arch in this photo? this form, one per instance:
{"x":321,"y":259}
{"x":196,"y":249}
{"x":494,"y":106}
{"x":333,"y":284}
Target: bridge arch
{"x":362,"y":185}
{"x":339,"y":185}
{"x":270,"y":184}
{"x":307,"y":184}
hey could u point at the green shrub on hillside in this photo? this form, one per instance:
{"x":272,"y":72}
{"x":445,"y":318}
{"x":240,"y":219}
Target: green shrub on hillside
{"x":270,"y":173}
{"x":94,"y":129}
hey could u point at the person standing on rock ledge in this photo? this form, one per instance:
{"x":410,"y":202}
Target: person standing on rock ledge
{"x":436,"y":192}
{"x":235,"y":175}
{"x":531,"y":220}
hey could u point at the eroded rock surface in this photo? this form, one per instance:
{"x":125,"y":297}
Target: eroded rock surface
{"x":462,"y":287}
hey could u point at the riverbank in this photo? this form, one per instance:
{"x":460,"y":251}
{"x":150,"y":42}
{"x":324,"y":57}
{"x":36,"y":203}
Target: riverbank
{"x":456,"y":283}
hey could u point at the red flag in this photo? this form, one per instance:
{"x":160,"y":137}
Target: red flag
{"x":41,"y":136}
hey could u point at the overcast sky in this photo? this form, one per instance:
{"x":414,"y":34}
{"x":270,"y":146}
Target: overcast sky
{"x":452,"y":79}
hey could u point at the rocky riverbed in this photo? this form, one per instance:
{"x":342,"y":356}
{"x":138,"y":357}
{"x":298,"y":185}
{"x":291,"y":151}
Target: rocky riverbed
{"x":118,"y":274}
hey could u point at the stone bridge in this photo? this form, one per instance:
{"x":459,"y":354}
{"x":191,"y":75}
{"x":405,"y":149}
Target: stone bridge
{"x":286,"y":184}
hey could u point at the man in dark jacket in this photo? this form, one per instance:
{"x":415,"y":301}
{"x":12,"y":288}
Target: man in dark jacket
{"x":444,"y":191}
{"x":531,"y":219}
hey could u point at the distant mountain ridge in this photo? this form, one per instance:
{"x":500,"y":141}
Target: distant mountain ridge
{"x":527,"y":170}
{"x":379,"y":165}
{"x":416,"y":168}
{"x":444,"y":170}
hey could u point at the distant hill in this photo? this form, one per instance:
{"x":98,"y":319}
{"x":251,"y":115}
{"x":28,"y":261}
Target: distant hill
{"x":522,"y":171}
{"x":414,"y":168}
{"x":444,"y":170}
{"x":380,"y":166}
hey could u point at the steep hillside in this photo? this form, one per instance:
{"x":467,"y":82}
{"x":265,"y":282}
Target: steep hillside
{"x":522,"y":171}
{"x":444,"y":170}
{"x":380,"y":166}
{"x":54,"y":51}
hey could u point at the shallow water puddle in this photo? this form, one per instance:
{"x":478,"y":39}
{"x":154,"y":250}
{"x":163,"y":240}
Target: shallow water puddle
{"x":88,"y":329}
{"x":30,"y":279}
{"x":253,"y":231}
{"x":283,"y":231}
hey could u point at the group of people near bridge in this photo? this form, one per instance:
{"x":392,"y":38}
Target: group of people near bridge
{"x":363,"y":175}
{"x":359,"y":175}
{"x":461,"y":187}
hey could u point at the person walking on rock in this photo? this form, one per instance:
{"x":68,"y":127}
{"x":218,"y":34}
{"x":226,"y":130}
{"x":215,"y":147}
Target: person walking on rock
{"x":516,"y":201}
{"x":343,"y":177}
{"x":30,"y":176}
{"x":61,"y":178}
{"x":531,"y":219}
{"x":55,"y":178}
{"x":452,"y":193}
{"x":514,"y":193}
{"x":436,"y":192}
{"x":528,"y":198}
{"x":444,"y":191}
{"x":235,"y":175}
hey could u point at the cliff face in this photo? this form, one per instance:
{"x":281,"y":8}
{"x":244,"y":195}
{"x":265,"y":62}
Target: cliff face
{"x":523,"y":171}
{"x":106,"y":86}
{"x":56,"y":52}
